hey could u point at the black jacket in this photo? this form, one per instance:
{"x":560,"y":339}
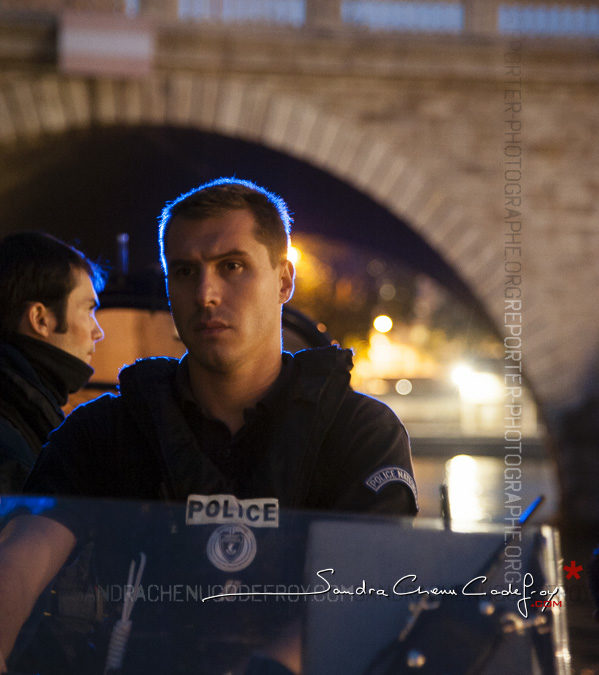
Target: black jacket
{"x":28,"y":412}
{"x":35,"y":380}
{"x":325,"y":446}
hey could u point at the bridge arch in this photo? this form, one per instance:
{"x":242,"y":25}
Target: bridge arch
{"x":37,"y":105}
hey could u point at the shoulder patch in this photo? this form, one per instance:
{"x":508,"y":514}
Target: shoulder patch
{"x":390,"y":474}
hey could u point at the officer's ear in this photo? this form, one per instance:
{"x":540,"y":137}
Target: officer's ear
{"x":286,"y":277}
{"x":38,"y":321}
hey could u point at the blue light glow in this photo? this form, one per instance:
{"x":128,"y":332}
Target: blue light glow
{"x":35,"y":505}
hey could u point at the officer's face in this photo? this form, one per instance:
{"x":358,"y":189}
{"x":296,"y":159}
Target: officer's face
{"x":225,"y":294}
{"x":83,"y":329}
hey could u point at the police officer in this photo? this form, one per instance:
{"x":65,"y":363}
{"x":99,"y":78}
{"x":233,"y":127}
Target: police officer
{"x":235,"y":417}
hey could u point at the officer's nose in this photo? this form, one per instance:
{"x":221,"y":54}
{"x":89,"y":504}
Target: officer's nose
{"x":97,"y":332}
{"x":208,"y":292}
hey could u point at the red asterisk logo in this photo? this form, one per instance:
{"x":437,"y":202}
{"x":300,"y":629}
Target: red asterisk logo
{"x":573,"y":569}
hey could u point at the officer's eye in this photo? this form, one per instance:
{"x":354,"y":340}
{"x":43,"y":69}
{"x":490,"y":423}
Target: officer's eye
{"x":182,"y":271}
{"x":232,"y":265}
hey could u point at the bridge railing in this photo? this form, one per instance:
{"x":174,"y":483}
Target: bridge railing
{"x":534,"y":19}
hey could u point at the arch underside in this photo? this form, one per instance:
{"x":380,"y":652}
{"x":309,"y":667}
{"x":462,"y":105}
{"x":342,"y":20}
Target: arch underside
{"x":35,"y":106}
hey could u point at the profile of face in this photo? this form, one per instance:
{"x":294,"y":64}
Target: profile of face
{"x":83,"y":330}
{"x":225,"y":295}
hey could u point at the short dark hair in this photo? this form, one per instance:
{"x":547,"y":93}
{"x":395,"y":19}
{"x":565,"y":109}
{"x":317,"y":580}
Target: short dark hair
{"x":273,"y":221}
{"x":37,"y":267}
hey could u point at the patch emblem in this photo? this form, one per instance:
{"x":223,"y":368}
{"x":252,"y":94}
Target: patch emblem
{"x":231,"y":547}
{"x":390,"y":474}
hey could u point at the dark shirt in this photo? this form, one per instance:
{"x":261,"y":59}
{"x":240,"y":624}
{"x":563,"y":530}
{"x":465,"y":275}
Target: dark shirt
{"x":234,"y":454}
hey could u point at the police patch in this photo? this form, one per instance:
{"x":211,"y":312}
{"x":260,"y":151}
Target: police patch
{"x":390,"y":474}
{"x":231,"y":547}
{"x":227,"y":509}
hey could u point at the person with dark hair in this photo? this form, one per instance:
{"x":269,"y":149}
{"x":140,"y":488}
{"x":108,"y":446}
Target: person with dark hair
{"x":235,"y":419}
{"x":47,"y":334}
